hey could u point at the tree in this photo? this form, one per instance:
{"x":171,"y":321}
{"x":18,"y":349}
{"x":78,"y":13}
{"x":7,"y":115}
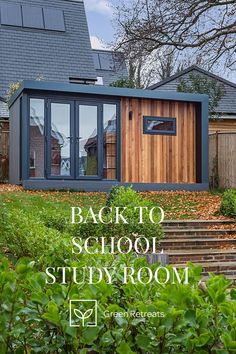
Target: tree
{"x":206,"y":26}
{"x":125,"y":83}
{"x":197,"y":83}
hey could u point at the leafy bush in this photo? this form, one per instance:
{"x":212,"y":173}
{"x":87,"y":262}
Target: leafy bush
{"x":122,"y":197}
{"x":34,"y":317}
{"x":24,"y":235}
{"x":54,"y":220}
{"x":127,"y":197}
{"x":112,"y":196}
{"x":228,"y":205}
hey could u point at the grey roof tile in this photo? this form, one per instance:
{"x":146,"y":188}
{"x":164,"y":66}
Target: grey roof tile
{"x":226,"y":105}
{"x":56,"y":56}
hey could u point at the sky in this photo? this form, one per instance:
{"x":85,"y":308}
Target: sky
{"x":99,"y":16}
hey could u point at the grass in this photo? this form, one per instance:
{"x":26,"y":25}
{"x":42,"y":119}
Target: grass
{"x":177,"y":205}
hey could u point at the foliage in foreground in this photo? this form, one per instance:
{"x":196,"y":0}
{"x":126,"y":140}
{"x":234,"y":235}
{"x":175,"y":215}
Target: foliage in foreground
{"x":228,"y":205}
{"x":34,"y":317}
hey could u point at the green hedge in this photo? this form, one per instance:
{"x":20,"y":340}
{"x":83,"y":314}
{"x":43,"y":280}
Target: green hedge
{"x":46,"y":235}
{"x":228,"y":205}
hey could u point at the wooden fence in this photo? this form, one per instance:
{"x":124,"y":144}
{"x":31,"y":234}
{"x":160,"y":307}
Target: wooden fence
{"x":222,"y":159}
{"x":4,"y":151}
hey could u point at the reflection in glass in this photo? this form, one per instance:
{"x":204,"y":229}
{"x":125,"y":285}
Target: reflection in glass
{"x":36,"y":138}
{"x":160,"y":125}
{"x":109,"y":141}
{"x":88,"y":140}
{"x":60,"y":139}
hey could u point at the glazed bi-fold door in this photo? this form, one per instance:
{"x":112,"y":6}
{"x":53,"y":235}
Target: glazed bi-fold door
{"x":60,"y":140}
{"x":89,"y":139}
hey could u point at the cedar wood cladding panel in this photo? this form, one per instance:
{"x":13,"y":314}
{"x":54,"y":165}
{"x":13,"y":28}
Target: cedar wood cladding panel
{"x":158,"y":158}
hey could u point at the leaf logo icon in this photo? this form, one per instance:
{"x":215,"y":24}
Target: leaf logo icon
{"x":83,"y":316}
{"x":78,"y":314}
{"x":88,"y":314}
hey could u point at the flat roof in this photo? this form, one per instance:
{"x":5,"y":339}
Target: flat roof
{"x":59,"y":87}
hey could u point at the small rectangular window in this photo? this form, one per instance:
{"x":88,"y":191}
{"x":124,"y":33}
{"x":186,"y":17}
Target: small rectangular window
{"x":11,"y":14}
{"x":159,"y":125}
{"x":54,"y":20}
{"x":32,"y":17}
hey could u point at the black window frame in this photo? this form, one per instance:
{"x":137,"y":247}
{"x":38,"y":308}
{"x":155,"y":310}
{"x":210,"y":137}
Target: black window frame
{"x":159,"y":119}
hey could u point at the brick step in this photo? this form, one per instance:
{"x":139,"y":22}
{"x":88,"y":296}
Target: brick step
{"x":183,"y":233}
{"x":196,"y":223}
{"x":201,"y":255}
{"x":183,"y":238}
{"x":215,"y":267}
{"x":226,"y":272}
{"x":196,"y":243}
{"x":229,"y":277}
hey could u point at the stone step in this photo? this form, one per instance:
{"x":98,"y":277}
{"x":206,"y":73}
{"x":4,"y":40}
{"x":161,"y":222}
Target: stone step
{"x":183,"y":233}
{"x":215,"y":267}
{"x":201,"y":255}
{"x":196,"y":223}
{"x":196,"y":243}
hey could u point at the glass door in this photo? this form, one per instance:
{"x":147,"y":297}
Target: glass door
{"x":60,"y":140}
{"x":81,"y":140}
{"x":88,"y":151}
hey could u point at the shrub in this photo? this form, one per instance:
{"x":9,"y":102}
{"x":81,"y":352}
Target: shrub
{"x":121,"y":197}
{"x":127,"y":197}
{"x":34,"y":317}
{"x":112,"y":196}
{"x":228,"y":205}
{"x":24,"y":235}
{"x":54,"y":220}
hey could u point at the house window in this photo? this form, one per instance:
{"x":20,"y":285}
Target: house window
{"x":104,"y":61}
{"x":32,"y":159}
{"x":159,"y":125}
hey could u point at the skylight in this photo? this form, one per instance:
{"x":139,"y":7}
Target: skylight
{"x":32,"y":17}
